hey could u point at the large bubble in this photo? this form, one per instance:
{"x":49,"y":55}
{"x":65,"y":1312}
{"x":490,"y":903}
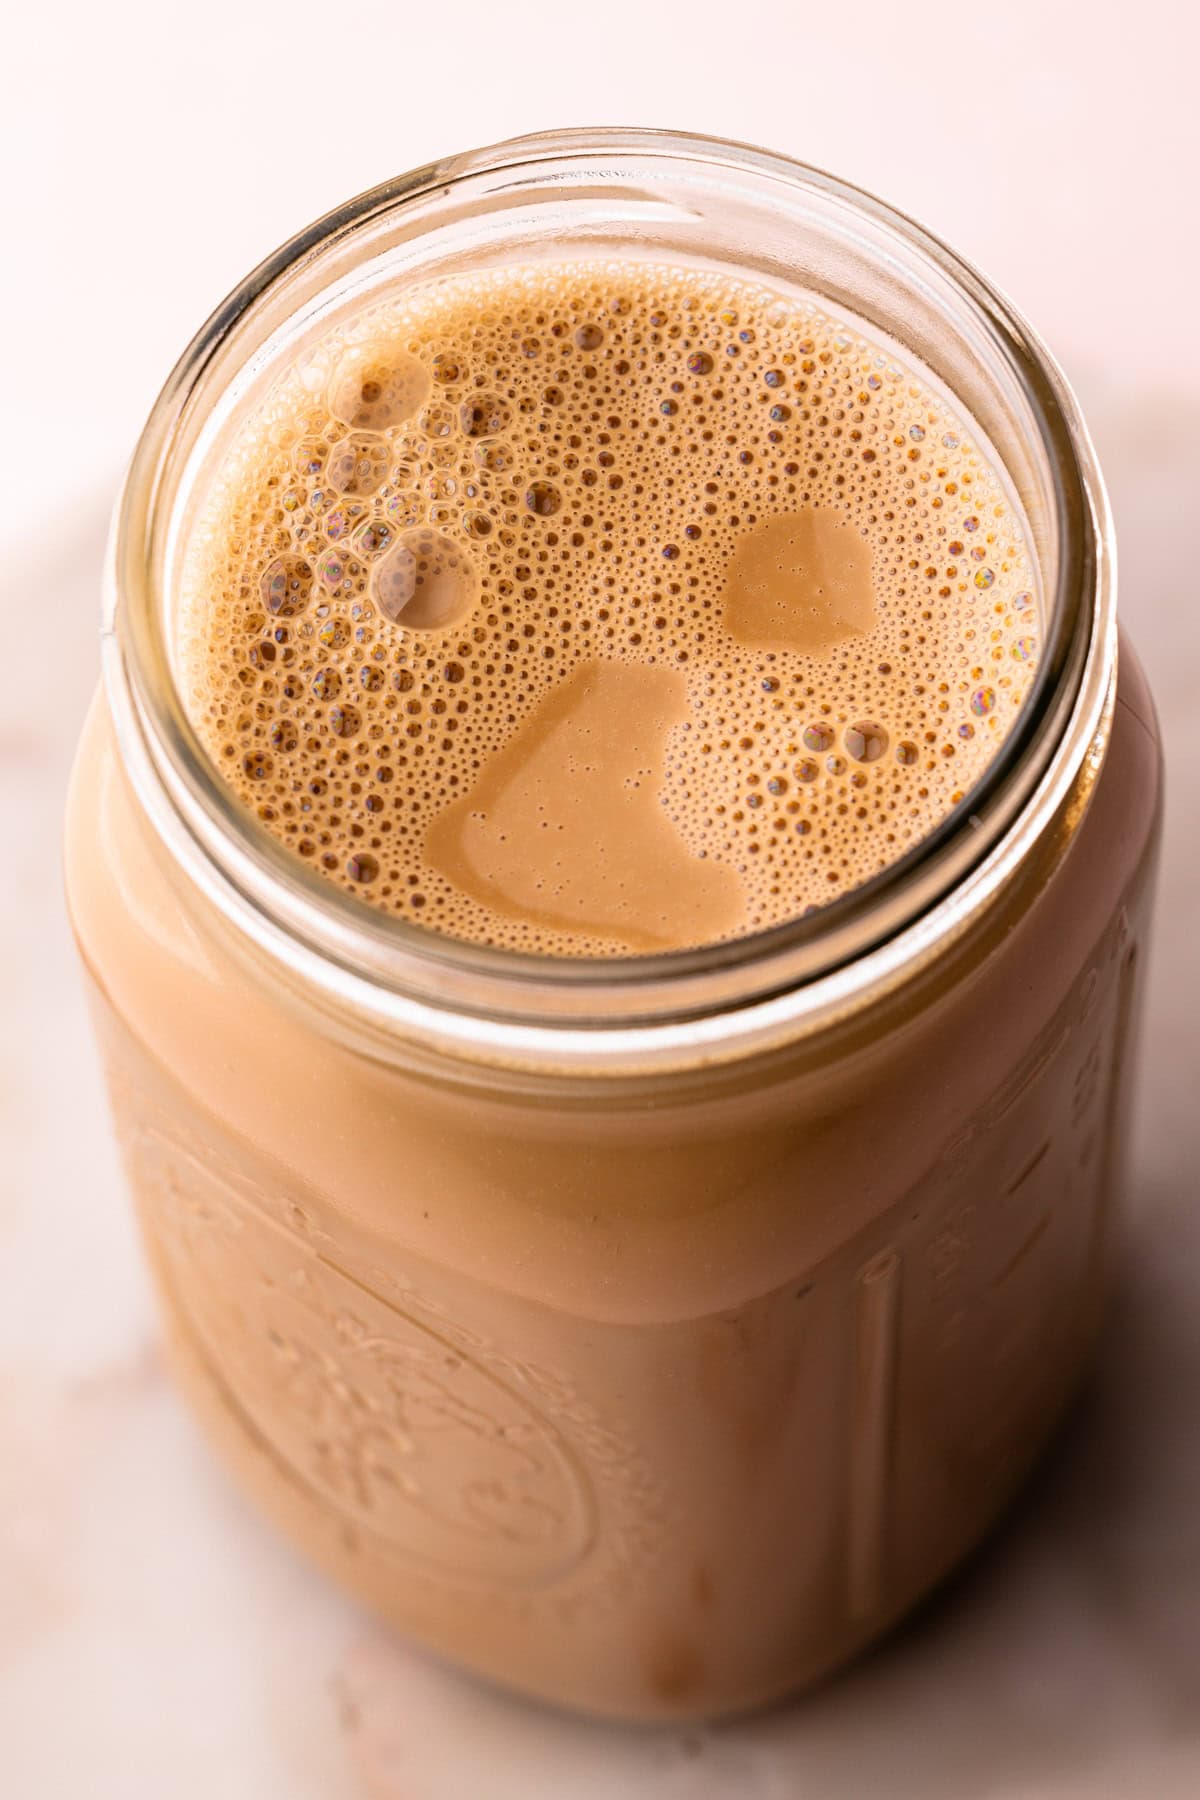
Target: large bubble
{"x":425,"y":583}
{"x":376,"y":392}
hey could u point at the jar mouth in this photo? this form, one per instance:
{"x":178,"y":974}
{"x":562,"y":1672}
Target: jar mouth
{"x":416,"y":980}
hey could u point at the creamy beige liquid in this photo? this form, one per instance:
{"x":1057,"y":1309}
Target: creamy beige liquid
{"x":595,"y":608}
{"x":589,"y":609}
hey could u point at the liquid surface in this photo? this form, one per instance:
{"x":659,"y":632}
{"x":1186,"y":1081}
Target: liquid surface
{"x":603,"y":608}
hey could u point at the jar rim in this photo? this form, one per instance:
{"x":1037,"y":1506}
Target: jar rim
{"x":718,"y":1000}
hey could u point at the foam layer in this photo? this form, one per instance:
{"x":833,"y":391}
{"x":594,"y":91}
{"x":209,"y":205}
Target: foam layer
{"x":602,"y":607}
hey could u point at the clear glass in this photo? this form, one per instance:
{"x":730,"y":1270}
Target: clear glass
{"x":650,"y":1333}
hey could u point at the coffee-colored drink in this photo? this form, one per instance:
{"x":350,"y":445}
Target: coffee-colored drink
{"x":593,"y":609}
{"x":613,"y":870}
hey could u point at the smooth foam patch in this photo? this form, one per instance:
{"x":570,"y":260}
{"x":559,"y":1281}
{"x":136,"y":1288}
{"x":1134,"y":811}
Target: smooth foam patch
{"x":565,"y":826}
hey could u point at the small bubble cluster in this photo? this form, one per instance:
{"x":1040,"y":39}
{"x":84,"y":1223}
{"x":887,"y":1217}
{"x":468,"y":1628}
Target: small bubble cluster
{"x":478,"y":488}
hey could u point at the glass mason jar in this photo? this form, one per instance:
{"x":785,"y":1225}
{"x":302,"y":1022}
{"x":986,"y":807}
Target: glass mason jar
{"x":647,"y":1334}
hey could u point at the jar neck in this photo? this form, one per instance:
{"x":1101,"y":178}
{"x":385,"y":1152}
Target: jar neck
{"x":608,"y":193}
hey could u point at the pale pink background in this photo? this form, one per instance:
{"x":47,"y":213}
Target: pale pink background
{"x":154,"y":1639}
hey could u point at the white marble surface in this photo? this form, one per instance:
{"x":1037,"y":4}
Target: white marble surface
{"x":154,"y":1639}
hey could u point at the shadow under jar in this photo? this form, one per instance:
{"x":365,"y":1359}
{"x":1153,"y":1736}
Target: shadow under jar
{"x":645,"y":1333}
